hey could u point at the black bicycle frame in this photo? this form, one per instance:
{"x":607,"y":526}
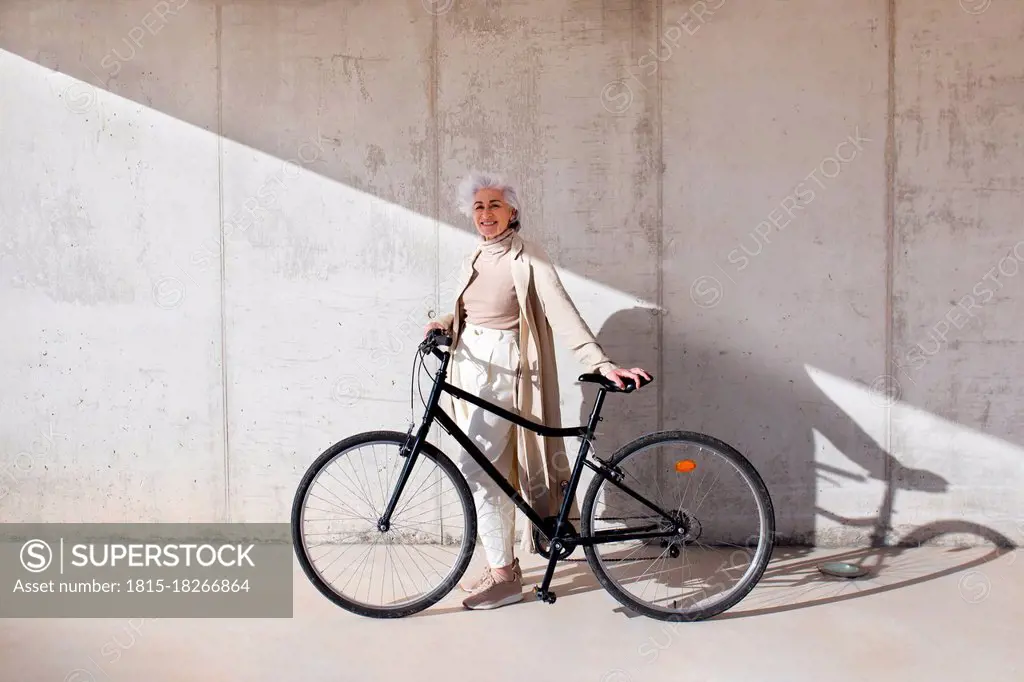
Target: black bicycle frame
{"x":586,"y":433}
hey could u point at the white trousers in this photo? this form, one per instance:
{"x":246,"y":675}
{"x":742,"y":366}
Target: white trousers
{"x":485,"y":363}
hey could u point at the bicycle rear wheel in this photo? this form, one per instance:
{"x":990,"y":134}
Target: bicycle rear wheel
{"x":719,"y":499}
{"x":343,"y":552}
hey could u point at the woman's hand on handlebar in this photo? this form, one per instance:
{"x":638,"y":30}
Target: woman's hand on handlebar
{"x":433,"y":325}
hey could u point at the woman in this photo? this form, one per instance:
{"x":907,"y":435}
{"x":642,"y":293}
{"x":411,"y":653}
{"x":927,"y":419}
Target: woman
{"x":508,"y":304}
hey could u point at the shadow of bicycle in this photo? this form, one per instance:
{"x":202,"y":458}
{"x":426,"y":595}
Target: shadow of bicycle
{"x":793,"y":579}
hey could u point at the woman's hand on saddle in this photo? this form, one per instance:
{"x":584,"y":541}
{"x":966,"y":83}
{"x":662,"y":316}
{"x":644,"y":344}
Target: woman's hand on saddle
{"x":620,"y":373}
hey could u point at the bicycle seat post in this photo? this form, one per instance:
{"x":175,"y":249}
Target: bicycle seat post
{"x":595,"y":413}
{"x":588,"y":437}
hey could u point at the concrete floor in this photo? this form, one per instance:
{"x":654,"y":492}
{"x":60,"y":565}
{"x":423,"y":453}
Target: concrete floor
{"x":928,"y":613}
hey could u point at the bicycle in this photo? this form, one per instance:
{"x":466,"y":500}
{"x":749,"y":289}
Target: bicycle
{"x":443,"y":526}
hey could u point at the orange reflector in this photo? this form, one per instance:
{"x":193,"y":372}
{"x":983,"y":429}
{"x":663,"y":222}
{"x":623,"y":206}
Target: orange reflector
{"x":684,"y":465}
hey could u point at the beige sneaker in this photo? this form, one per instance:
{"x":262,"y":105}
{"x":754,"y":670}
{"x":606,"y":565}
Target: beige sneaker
{"x":478,"y":583}
{"x":475,"y":584}
{"x":491,"y":592}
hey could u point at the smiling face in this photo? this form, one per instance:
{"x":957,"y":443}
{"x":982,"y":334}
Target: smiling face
{"x":490,"y":213}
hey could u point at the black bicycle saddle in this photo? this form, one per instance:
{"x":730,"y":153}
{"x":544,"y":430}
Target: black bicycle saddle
{"x":605,"y":382}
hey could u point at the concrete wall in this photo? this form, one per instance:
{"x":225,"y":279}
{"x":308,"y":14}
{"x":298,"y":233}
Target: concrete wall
{"x":224,"y":225}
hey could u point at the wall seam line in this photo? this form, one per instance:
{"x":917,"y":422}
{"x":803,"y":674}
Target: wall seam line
{"x":436,"y":199}
{"x":436,"y":163}
{"x":892,"y":384}
{"x":659,"y":149}
{"x":223,"y":268}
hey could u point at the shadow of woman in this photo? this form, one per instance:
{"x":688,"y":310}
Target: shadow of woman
{"x":770,"y":414}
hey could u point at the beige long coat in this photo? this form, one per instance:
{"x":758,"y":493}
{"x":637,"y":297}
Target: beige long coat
{"x":545,"y":310}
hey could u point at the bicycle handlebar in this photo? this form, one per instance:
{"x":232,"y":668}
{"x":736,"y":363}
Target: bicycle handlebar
{"x":435,"y":337}
{"x":438,"y":337}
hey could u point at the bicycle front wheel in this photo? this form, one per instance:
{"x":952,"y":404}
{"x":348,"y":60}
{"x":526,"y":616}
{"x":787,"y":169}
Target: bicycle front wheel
{"x":383,"y":573}
{"x":701,"y":484}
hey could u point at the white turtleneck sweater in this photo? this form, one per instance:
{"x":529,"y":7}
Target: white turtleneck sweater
{"x":490,"y":299}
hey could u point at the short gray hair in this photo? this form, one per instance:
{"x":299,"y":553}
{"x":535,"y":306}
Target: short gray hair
{"x":478,"y":180}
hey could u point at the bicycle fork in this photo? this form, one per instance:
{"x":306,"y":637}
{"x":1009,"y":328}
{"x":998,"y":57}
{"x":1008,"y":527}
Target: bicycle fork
{"x":411,"y":450}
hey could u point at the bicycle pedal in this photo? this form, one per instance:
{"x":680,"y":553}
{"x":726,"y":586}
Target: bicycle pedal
{"x":544,"y":596}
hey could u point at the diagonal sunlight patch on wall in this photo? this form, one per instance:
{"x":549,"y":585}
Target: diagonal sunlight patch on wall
{"x":111,"y":260}
{"x":943,"y":474}
{"x":100,"y":197}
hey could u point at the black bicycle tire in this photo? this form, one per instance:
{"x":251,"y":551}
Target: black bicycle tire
{"x":469,"y":532}
{"x":726,"y":450}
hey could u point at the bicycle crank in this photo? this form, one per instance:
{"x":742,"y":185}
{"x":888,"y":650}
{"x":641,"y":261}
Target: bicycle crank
{"x":566,"y":544}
